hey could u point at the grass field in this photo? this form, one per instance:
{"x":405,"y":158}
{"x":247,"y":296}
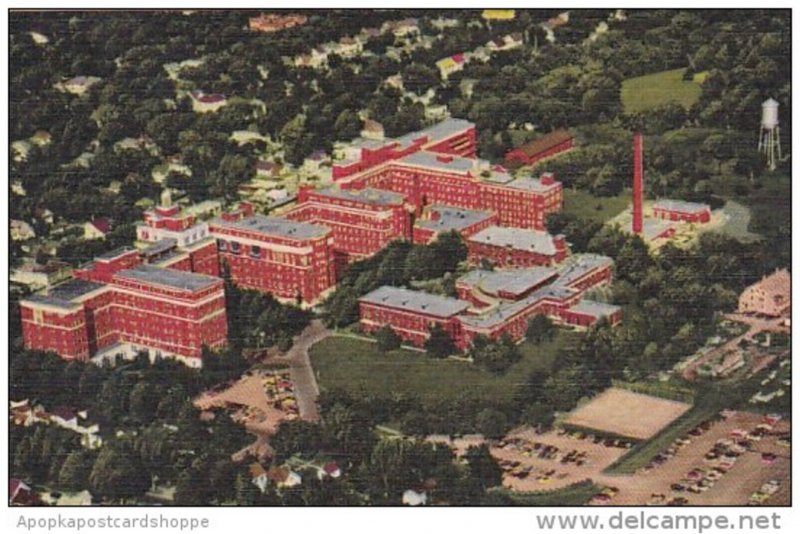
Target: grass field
{"x":585,"y":205}
{"x":652,"y":90}
{"x":357,"y":365}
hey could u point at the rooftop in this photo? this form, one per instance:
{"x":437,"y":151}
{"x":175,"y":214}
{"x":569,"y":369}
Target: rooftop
{"x":64,"y":295}
{"x":368,"y":195}
{"x":653,"y":228}
{"x":594,"y":308}
{"x":74,"y":288}
{"x":517,"y":239}
{"x":546,"y":142}
{"x":114,"y":254}
{"x":505,"y":310}
{"x":168,"y":277}
{"x":681,"y":206}
{"x":445,"y":129}
{"x":579,"y":264}
{"x":514,"y":282}
{"x":51,"y":301}
{"x":450,"y":218}
{"x":778,"y":283}
{"x":160,"y":247}
{"x":415,"y":301}
{"x":530,"y":184}
{"x":168,"y":257}
{"x":439,"y":161}
{"x":274,"y":226}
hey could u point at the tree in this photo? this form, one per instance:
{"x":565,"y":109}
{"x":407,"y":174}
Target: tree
{"x":396,"y":465}
{"x":540,"y":328}
{"x":419,"y":78}
{"x":565,"y":387}
{"x":439,"y":343}
{"x":387,"y":339}
{"x":633,"y":260}
{"x":296,"y":438}
{"x":495,"y":356}
{"x":347,"y":125}
{"x":143,"y":402}
{"x":247,"y":493}
{"x":118,"y":473}
{"x":492,"y":423}
{"x":74,"y":473}
{"x":192,"y":488}
{"x":483,"y":466}
{"x":347,"y":431}
{"x":449,"y":250}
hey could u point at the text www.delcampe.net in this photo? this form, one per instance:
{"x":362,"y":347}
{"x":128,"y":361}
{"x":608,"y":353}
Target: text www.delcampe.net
{"x":641,"y":520}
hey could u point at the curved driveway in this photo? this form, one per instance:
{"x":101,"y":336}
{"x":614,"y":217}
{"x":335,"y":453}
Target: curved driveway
{"x":305,"y":383}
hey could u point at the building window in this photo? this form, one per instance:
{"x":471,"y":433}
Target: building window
{"x":222,"y":244}
{"x":255,"y":251}
{"x":236,"y":247}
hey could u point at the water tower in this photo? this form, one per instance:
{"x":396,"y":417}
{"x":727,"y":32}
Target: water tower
{"x":769,"y":141}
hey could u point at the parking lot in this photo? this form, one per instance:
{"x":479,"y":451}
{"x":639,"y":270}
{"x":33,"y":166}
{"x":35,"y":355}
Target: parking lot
{"x":735,"y":481}
{"x":548,"y":461}
{"x":723,"y":462}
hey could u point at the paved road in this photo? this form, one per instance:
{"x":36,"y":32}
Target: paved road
{"x":305,"y":383}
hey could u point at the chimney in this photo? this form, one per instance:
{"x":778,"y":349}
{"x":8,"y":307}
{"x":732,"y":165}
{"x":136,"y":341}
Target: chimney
{"x":444,"y":158}
{"x":547,"y":178}
{"x":638,"y":188}
{"x":246,"y":208}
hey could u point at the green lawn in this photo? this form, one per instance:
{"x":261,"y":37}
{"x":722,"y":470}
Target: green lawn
{"x":585,"y":205}
{"x":357,"y":365}
{"x":652,"y":90}
{"x":573,"y":495}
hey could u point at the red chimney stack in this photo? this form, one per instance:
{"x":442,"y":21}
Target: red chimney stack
{"x":638,"y":188}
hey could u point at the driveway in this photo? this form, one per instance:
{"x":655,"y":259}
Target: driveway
{"x":305,"y":383}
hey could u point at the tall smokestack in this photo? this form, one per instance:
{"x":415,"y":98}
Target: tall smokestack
{"x":638,"y":188}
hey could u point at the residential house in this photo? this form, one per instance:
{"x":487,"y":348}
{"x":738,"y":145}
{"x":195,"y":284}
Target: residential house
{"x":205,"y":103}
{"x":451,"y":65}
{"x":442,"y":23}
{"x":39,"y":38}
{"x":97,"y":229}
{"x":77,"y":85}
{"x":330,"y":469}
{"x":348,"y":47}
{"x":283,"y":477}
{"x":479,"y":54}
{"x":81,"y":498}
{"x":20,"y":494}
{"x":436,"y":112}
{"x":36,"y":276}
{"x":64,"y":417}
{"x":558,"y":21}
{"x":21,"y":149}
{"x":41,"y":138}
{"x":372,"y":130}
{"x":414,"y":498}
{"x":21,"y":230}
{"x":274,"y":22}
{"x":268,"y":169}
{"x":395,"y":81}
{"x":258,"y":476}
{"x":402,"y":28}
{"x":498,"y":14}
